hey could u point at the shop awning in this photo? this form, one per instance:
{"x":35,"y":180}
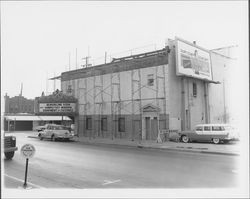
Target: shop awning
{"x":35,"y":118}
{"x":22,"y":118}
{"x":54,"y":118}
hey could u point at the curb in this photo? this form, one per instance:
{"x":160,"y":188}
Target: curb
{"x":155,"y":148}
{"x":194,"y":151}
{"x":162,"y":149}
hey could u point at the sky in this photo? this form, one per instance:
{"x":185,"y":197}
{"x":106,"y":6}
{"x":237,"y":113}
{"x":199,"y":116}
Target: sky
{"x":42,"y":39}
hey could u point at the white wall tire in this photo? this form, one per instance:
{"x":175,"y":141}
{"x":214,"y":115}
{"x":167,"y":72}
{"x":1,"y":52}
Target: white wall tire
{"x":184,"y":139}
{"x":216,"y":140}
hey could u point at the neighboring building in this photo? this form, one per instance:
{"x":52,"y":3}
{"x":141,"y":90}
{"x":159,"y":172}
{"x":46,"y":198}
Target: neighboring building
{"x":57,"y":105}
{"x":138,"y":96}
{"x":21,"y":114}
{"x":28,"y":122}
{"x":225,"y":62}
{"x":18,"y":104}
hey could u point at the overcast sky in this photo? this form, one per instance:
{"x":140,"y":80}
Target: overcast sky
{"x":39,"y":38}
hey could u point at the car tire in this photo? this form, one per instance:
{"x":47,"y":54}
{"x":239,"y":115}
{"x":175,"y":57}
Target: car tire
{"x":53,"y":138}
{"x":216,"y":140}
{"x":40,"y":136}
{"x":9,"y":155}
{"x":184,"y":139}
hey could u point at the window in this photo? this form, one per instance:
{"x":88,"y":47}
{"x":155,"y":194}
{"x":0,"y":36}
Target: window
{"x":198,"y":128}
{"x":88,"y":123}
{"x":150,"y":80}
{"x":121,"y":124}
{"x":218,"y":128}
{"x":194,"y":89}
{"x":69,"y":89}
{"x":104,"y":126}
{"x":207,"y":128}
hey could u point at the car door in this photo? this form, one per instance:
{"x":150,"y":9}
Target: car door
{"x":207,"y":133}
{"x":48,"y":131}
{"x":198,"y":133}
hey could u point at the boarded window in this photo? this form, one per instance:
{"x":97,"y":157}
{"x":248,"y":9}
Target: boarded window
{"x":88,"y":123}
{"x":194,"y":89}
{"x":150,"y":80}
{"x":104,"y":126}
{"x":121,"y":124}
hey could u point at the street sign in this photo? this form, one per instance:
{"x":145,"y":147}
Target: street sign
{"x":28,"y":150}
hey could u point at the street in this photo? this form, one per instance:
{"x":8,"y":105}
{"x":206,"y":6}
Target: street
{"x":76,"y":165}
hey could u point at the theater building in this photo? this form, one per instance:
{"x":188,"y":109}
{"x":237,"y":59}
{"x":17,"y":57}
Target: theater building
{"x":138,"y":96}
{"x":61,"y":108}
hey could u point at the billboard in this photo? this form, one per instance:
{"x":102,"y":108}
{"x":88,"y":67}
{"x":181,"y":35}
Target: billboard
{"x":57,"y":107}
{"x":192,"y":60}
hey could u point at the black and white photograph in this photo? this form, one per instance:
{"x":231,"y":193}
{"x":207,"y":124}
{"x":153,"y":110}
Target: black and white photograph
{"x":124,"y":99}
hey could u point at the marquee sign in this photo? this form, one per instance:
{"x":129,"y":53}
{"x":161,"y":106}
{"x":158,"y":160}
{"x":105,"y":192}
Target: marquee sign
{"x":192,"y":61}
{"x":57,"y":107}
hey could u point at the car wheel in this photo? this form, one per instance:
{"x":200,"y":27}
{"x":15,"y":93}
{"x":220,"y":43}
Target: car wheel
{"x":53,"y":138}
{"x":9,"y":155}
{"x":216,"y":140}
{"x":184,"y":139}
{"x":40,"y":136}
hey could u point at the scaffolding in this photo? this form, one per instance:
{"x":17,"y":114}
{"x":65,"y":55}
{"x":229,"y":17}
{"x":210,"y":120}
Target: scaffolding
{"x":116,"y":104}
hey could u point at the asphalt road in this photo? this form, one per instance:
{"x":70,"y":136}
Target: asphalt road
{"x":77,"y":165}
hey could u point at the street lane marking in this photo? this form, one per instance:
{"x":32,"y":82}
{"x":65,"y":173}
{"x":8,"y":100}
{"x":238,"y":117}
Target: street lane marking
{"x":17,"y":179}
{"x":110,"y":182}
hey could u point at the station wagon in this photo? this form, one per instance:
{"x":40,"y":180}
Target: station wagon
{"x":215,"y":133}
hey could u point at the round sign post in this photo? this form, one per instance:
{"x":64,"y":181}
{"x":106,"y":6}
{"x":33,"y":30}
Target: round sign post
{"x":27,"y":151}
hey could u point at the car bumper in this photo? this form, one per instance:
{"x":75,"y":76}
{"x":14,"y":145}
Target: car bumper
{"x":10,"y":149}
{"x":64,"y":137}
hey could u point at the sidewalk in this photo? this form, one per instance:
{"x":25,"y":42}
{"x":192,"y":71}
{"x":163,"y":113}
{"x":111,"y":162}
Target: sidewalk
{"x":232,"y":148}
{"x":223,"y":149}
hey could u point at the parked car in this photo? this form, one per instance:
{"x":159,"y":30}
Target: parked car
{"x":54,"y":132}
{"x":215,"y":133}
{"x":39,"y":128}
{"x":9,"y":146}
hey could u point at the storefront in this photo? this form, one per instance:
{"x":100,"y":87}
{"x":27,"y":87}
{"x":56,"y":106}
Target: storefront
{"x":57,"y":104}
{"x":29,"y":122}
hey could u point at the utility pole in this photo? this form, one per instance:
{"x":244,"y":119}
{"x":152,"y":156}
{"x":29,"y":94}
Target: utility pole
{"x":105,"y":57}
{"x":87,"y":60}
{"x":54,"y":82}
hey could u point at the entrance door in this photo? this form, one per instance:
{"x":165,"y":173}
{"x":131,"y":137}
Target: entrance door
{"x":148,"y":127}
{"x":154,"y":128}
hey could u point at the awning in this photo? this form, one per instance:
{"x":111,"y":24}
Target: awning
{"x":54,"y":118}
{"x":22,"y":118}
{"x":35,"y":118}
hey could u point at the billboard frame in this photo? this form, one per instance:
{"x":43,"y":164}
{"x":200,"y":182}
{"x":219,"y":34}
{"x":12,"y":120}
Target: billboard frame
{"x":190,"y":71}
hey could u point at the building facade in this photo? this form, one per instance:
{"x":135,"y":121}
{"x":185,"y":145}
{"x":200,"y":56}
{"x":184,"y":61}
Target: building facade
{"x":139,"y":96}
{"x":18,"y":104}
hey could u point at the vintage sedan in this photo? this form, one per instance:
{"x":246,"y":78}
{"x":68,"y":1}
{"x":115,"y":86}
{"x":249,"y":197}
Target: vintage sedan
{"x":216,"y":133}
{"x":55,"y":132}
